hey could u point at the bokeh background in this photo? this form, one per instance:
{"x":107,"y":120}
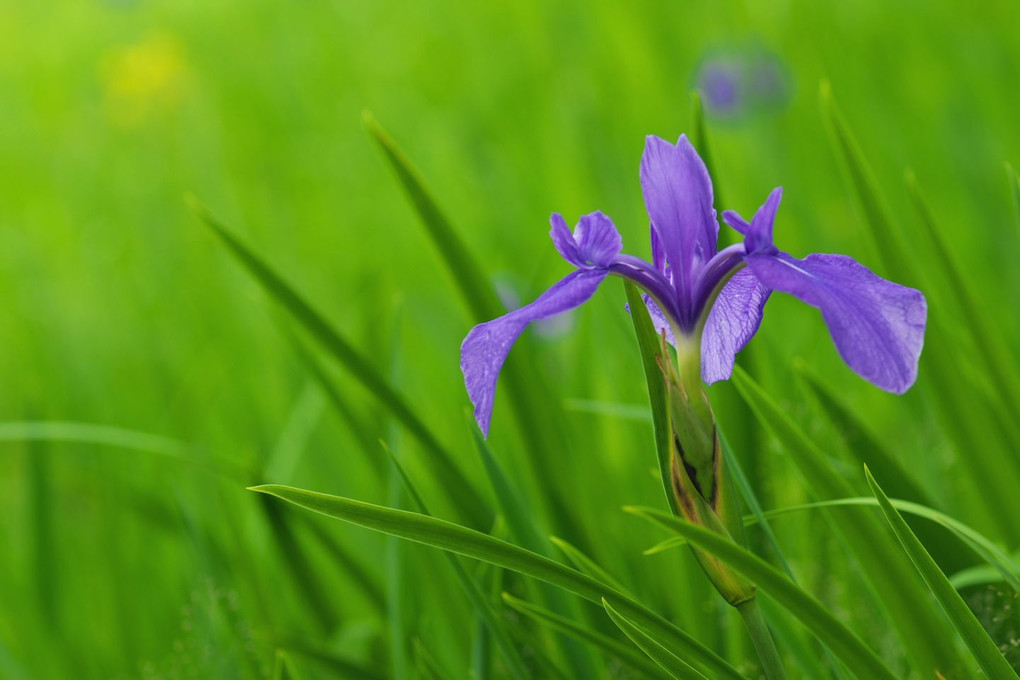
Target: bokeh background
{"x":142,"y":555}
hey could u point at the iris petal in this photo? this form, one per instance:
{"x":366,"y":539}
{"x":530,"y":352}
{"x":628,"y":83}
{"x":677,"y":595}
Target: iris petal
{"x":486,"y":347}
{"x":678,"y":196}
{"x":878,"y":326}
{"x":594,"y":243}
{"x":732,"y":322}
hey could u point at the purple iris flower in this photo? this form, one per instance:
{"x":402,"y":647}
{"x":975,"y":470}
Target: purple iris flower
{"x":709,"y":302}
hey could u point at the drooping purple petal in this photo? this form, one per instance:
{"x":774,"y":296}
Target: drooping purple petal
{"x":758,"y":233}
{"x":594,"y":242}
{"x":486,"y":347}
{"x":678,"y":196}
{"x":732,"y":322}
{"x":878,"y":326}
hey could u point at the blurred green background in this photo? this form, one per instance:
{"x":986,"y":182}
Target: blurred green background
{"x":122,"y":310}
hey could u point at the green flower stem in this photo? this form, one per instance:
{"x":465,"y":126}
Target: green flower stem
{"x":761,"y":637}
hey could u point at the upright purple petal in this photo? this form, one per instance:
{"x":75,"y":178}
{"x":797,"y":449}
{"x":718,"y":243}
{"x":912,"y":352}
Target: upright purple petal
{"x":594,"y":243}
{"x":678,"y":197}
{"x":732,"y":322}
{"x":878,"y":326}
{"x":486,"y":347}
{"x":758,"y":233}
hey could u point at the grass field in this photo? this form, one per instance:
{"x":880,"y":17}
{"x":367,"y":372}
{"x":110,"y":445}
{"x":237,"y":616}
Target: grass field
{"x":150,"y":378}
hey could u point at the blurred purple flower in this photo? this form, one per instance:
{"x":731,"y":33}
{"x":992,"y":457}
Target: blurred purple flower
{"x":738,"y":82}
{"x":707,"y":301}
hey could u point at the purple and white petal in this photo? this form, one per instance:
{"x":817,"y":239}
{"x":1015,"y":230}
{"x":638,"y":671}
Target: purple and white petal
{"x":678,"y":196}
{"x":878,"y":326}
{"x":594,"y":243}
{"x":732,"y":322}
{"x":486,"y":347}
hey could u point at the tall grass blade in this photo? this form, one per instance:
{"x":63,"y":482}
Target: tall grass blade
{"x":891,"y":251}
{"x":522,"y":527}
{"x":582,"y":633}
{"x":988,"y":656}
{"x":843,"y":642}
{"x":462,"y":493}
{"x":464,"y":541}
{"x":474,"y":592}
{"x":284,"y":669}
{"x":538,"y":426}
{"x":470,"y":278}
{"x":587,"y":565}
{"x":1000,"y":365}
{"x":1014,"y":186}
{"x":926,"y":640}
{"x":669,"y":662}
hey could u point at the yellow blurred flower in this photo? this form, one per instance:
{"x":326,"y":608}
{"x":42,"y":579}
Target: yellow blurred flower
{"x":144,"y":79}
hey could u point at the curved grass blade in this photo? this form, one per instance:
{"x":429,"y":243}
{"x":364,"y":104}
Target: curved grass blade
{"x":471,"y":588}
{"x":1007,"y":567}
{"x":522,"y":527}
{"x":843,"y":642}
{"x":464,"y":541}
{"x":674,"y":666}
{"x":587,"y":565}
{"x":988,"y":656}
{"x":604,"y":644}
{"x":926,"y":640}
{"x":460,"y":490}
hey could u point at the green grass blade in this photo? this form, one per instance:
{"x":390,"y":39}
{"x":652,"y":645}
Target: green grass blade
{"x":843,"y":642}
{"x":474,"y":592}
{"x":587,"y":565}
{"x":471,"y":281}
{"x":523,"y":528}
{"x":650,"y":345}
{"x":751,"y":500}
{"x":470,"y":543}
{"x":582,"y":633}
{"x":1014,"y":186}
{"x":326,"y":658}
{"x":891,"y":251}
{"x":1000,"y":365}
{"x":669,"y":662}
{"x":460,"y":490}
{"x":926,"y":640}
{"x":1007,"y":567}
{"x":538,"y":426}
{"x":988,"y":656}
{"x":284,"y":669}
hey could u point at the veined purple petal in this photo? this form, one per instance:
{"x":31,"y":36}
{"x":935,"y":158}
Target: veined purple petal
{"x":732,"y":322}
{"x":878,"y":326}
{"x":594,"y":243}
{"x":678,"y":197}
{"x":486,"y":347}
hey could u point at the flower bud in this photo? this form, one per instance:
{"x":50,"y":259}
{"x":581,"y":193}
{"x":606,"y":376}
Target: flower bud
{"x":702,"y":491}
